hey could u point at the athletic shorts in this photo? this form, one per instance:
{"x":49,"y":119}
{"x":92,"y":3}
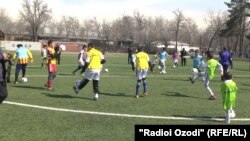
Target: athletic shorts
{"x":92,"y":74}
{"x":140,"y":74}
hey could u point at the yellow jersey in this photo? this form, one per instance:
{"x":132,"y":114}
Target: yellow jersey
{"x":94,"y":58}
{"x":142,"y":60}
{"x":23,"y":55}
{"x":51,"y":51}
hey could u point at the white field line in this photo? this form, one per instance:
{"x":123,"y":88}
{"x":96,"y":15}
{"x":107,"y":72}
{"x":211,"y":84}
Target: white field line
{"x":120,"y":75}
{"x":120,"y":115}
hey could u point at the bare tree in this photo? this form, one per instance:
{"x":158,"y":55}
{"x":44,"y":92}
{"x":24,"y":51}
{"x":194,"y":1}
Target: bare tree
{"x":139,"y":23}
{"x":190,"y":32}
{"x":215,"y":21}
{"x":52,"y":25}
{"x":6,"y":24}
{"x":71,"y":26}
{"x":96,"y":27}
{"x":89,"y":28}
{"x":179,"y":18}
{"x":106,"y":29}
{"x":162,"y":30}
{"x":127,"y":28}
{"x":35,"y":13}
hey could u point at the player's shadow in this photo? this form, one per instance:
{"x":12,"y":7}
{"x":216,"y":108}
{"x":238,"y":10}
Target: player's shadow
{"x":202,"y":118}
{"x":177,"y":94}
{"x":117,"y":94}
{"x":176,"y":79}
{"x":245,"y":84}
{"x":65,"y":74}
{"x":64,"y":96}
{"x":28,"y":87}
{"x":240,"y":77}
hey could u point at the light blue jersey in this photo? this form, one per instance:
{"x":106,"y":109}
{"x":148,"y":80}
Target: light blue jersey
{"x":22,"y":52}
{"x":197,"y":61}
{"x":163,"y":55}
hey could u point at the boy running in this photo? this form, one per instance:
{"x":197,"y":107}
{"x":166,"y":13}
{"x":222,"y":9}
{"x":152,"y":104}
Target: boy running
{"x":197,"y":65}
{"x":210,"y":71}
{"x":93,"y":66}
{"x":81,"y":59}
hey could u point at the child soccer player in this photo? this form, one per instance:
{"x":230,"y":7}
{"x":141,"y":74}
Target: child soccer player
{"x":229,"y":93}
{"x":51,"y":62}
{"x":162,"y":60}
{"x":153,"y":62}
{"x":211,"y":68}
{"x":175,"y":58}
{"x":81,"y":59}
{"x":44,"y":54}
{"x":142,"y":64}
{"x":197,"y":65}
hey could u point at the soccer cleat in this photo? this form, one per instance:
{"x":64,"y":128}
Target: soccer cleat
{"x":145,"y":94}
{"x":96,"y":96}
{"x":211,"y":98}
{"x":192,"y":81}
{"x":232,"y":114}
{"x":137,"y":96}
{"x":15,"y":82}
{"x":50,"y":89}
{"x":227,"y":118}
{"x":76,"y":90}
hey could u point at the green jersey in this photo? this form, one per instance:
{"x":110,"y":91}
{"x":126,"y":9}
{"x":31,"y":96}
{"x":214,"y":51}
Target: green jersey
{"x":229,"y":91}
{"x":212,"y":65}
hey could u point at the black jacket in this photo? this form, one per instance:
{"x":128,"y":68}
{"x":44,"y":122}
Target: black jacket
{"x":2,"y":67}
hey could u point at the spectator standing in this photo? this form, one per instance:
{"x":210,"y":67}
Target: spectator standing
{"x":3,"y":87}
{"x":130,"y":57}
{"x":183,"y":59}
{"x":231,"y":55}
{"x":58,"y":52}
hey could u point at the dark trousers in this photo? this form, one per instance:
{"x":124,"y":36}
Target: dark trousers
{"x":130,"y":59}
{"x":183,"y":61}
{"x":58,"y":58}
{"x":20,"y":67}
{"x":8,"y":73}
{"x":78,"y":68}
{"x":3,"y":91}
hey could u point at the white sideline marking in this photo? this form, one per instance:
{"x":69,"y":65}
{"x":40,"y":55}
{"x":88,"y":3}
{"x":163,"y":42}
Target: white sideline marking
{"x":122,"y":75}
{"x":120,"y":115}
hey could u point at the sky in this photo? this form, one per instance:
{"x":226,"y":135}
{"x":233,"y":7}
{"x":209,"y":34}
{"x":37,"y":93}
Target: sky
{"x":112,"y":9}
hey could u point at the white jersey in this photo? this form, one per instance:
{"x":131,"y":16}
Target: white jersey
{"x":82,"y":57}
{"x":44,"y":53}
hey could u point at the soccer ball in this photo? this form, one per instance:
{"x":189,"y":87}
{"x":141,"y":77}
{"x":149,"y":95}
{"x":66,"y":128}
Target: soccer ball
{"x":195,"y":71}
{"x":63,"y":47}
{"x":106,"y":70}
{"x":24,"y":79}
